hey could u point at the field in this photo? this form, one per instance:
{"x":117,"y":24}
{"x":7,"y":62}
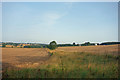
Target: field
{"x":63,"y":62}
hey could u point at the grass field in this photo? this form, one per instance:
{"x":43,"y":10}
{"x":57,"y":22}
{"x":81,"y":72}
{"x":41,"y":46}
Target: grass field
{"x":64,"y":62}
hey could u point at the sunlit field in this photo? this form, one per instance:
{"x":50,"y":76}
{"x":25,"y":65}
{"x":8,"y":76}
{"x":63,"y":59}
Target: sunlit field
{"x":63,"y":62}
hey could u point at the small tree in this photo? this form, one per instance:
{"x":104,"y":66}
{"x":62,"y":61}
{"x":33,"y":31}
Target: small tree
{"x":87,"y":43}
{"x":3,"y":45}
{"x":52,"y":45}
{"x":74,"y":44}
{"x":41,"y":46}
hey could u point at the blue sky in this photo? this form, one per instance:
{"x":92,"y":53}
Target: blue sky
{"x":64,"y":22}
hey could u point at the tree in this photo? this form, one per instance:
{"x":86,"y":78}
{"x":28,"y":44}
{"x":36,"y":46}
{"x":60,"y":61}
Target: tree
{"x":87,"y":43}
{"x":41,"y":46}
{"x":15,"y":44}
{"x":74,"y":44}
{"x":52,"y":45}
{"x":3,"y":45}
{"x":46,"y":46}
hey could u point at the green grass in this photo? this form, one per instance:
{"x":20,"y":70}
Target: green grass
{"x":71,"y":65}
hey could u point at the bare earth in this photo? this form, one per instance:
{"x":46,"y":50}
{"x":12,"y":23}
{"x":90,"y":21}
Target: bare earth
{"x":32,"y":57}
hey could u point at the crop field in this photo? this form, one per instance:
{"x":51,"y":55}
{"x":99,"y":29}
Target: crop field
{"x":63,"y":62}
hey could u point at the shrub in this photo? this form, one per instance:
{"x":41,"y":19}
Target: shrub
{"x":52,"y":45}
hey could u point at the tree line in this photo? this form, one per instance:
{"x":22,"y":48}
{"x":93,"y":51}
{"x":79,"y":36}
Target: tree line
{"x":53,"y":45}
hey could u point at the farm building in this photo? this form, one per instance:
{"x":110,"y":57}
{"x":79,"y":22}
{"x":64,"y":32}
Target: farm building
{"x":25,"y":44}
{"x":9,"y":46}
{"x":22,"y":45}
{"x":96,"y":44}
{"x":18,"y":46}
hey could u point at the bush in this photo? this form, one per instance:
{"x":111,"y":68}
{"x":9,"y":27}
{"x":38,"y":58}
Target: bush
{"x":51,"y":54}
{"x":52,"y":45}
{"x":3,"y":45}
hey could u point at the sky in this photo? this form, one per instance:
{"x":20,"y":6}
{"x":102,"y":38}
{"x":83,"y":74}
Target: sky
{"x":64,"y":22}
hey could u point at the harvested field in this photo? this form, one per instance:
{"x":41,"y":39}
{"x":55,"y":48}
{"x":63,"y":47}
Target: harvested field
{"x":23,"y":56}
{"x":72,"y":62}
{"x":26,"y":56}
{"x":101,"y":49}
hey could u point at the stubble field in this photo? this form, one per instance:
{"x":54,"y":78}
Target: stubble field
{"x":63,"y":62}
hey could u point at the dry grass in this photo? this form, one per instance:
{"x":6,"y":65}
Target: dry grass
{"x":27,"y":57}
{"x":101,"y":49}
{"x":81,"y":61}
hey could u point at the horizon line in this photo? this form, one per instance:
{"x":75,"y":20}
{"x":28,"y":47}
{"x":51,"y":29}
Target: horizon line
{"x":57,"y":43}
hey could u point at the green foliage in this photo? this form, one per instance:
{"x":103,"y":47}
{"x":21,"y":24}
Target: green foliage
{"x":50,"y":54}
{"x":74,"y":44}
{"x":36,"y":46}
{"x":86,"y":44}
{"x":46,"y":46}
{"x":15,"y":44}
{"x":109,"y":43}
{"x":63,"y":45}
{"x":41,"y":46}
{"x":3,"y":45}
{"x":52,"y":45}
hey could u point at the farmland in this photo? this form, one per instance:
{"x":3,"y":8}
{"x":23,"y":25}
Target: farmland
{"x":63,"y":62}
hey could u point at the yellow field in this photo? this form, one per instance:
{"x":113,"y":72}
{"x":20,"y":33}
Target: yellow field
{"x":63,"y":62}
{"x":32,"y":57}
{"x":101,"y":49}
{"x":14,"y":57}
